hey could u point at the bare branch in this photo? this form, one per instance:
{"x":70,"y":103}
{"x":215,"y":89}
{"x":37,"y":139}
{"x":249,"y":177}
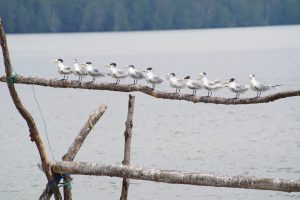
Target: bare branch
{"x":176,"y":177}
{"x":93,"y":119}
{"x":34,"y":133}
{"x":127,"y":135}
{"x":74,"y":148}
{"x":147,"y":90}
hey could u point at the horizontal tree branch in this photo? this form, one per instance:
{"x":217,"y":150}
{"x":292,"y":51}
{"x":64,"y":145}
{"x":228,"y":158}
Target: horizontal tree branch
{"x":147,"y":90}
{"x":176,"y":177}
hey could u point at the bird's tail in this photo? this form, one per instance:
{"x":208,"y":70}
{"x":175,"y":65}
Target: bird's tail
{"x":274,"y":86}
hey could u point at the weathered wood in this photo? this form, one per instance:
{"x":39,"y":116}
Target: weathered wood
{"x":127,"y":147}
{"x":147,"y":90}
{"x":34,"y":133}
{"x":88,"y":126}
{"x":74,"y":148}
{"x":176,"y":177}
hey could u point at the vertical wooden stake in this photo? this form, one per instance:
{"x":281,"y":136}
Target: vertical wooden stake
{"x":127,"y":135}
{"x":34,"y":133}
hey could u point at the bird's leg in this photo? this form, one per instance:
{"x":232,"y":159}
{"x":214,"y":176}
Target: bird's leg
{"x":153,"y":86}
{"x":117,"y":81}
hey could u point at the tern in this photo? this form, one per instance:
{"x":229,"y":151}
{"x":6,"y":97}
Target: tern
{"x":193,"y":84}
{"x":209,"y":85}
{"x":259,"y":87}
{"x":116,"y":73}
{"x":152,"y":78}
{"x":135,"y":74}
{"x":177,"y":83}
{"x":236,"y":87}
{"x":62,"y":69}
{"x":79,"y":70}
{"x":92,"y":71}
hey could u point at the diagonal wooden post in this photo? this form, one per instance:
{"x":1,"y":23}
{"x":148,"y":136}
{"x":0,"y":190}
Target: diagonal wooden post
{"x":34,"y":133}
{"x":73,"y":150}
{"x":127,"y":135}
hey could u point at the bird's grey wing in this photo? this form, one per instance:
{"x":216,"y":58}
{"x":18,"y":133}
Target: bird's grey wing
{"x":240,"y":86}
{"x":214,"y":81}
{"x":140,"y":74}
{"x":262,"y":86}
{"x":157,"y":78}
{"x":197,"y":83}
{"x":95,"y":70}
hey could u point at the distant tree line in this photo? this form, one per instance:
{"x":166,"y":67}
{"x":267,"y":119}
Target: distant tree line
{"x":26,"y":16}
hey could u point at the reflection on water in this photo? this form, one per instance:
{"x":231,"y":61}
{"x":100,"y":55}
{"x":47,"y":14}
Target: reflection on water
{"x":252,"y":140}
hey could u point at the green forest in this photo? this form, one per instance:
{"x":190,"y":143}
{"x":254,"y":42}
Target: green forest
{"x":34,"y":16}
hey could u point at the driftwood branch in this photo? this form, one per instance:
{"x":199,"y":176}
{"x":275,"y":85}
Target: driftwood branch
{"x":147,"y":90}
{"x":34,"y":133}
{"x":93,"y":119}
{"x":127,"y":135}
{"x":176,"y":177}
{"x":74,"y":148}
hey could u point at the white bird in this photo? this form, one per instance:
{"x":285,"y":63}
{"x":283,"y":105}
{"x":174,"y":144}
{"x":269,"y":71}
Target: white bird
{"x":152,"y":78}
{"x":79,"y":70}
{"x":177,"y":83}
{"x":92,"y":71}
{"x":62,"y":69}
{"x":209,"y":85}
{"x":236,"y":87}
{"x":193,"y":84}
{"x":135,"y":74}
{"x":116,"y":73}
{"x":259,"y":87}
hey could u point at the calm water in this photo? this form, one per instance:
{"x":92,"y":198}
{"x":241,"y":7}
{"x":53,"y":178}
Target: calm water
{"x":251,"y":140}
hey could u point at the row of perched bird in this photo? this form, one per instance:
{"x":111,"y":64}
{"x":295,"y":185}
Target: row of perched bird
{"x":86,"y":69}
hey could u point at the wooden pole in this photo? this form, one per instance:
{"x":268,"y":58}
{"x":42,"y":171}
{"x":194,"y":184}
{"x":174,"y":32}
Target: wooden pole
{"x":176,"y":177}
{"x":34,"y":133}
{"x":127,"y":147}
{"x":74,"y":148}
{"x":154,"y":93}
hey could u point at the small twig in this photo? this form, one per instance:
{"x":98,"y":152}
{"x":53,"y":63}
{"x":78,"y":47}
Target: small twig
{"x":127,"y":147}
{"x":147,"y":90}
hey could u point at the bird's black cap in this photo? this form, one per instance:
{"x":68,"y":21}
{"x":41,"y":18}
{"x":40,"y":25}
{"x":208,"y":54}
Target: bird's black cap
{"x":114,"y":64}
{"x":173,"y":74}
{"x":149,"y":68}
{"x":204,"y":73}
{"x":131,"y":66}
{"x":187,"y":77}
{"x":88,"y":63}
{"x":60,"y":60}
{"x":231,"y":80}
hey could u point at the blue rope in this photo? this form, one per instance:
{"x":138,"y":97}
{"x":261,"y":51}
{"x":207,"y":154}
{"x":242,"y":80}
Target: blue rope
{"x":13,"y":77}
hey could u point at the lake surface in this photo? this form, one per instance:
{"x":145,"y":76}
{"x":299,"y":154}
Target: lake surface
{"x":260,"y":140}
